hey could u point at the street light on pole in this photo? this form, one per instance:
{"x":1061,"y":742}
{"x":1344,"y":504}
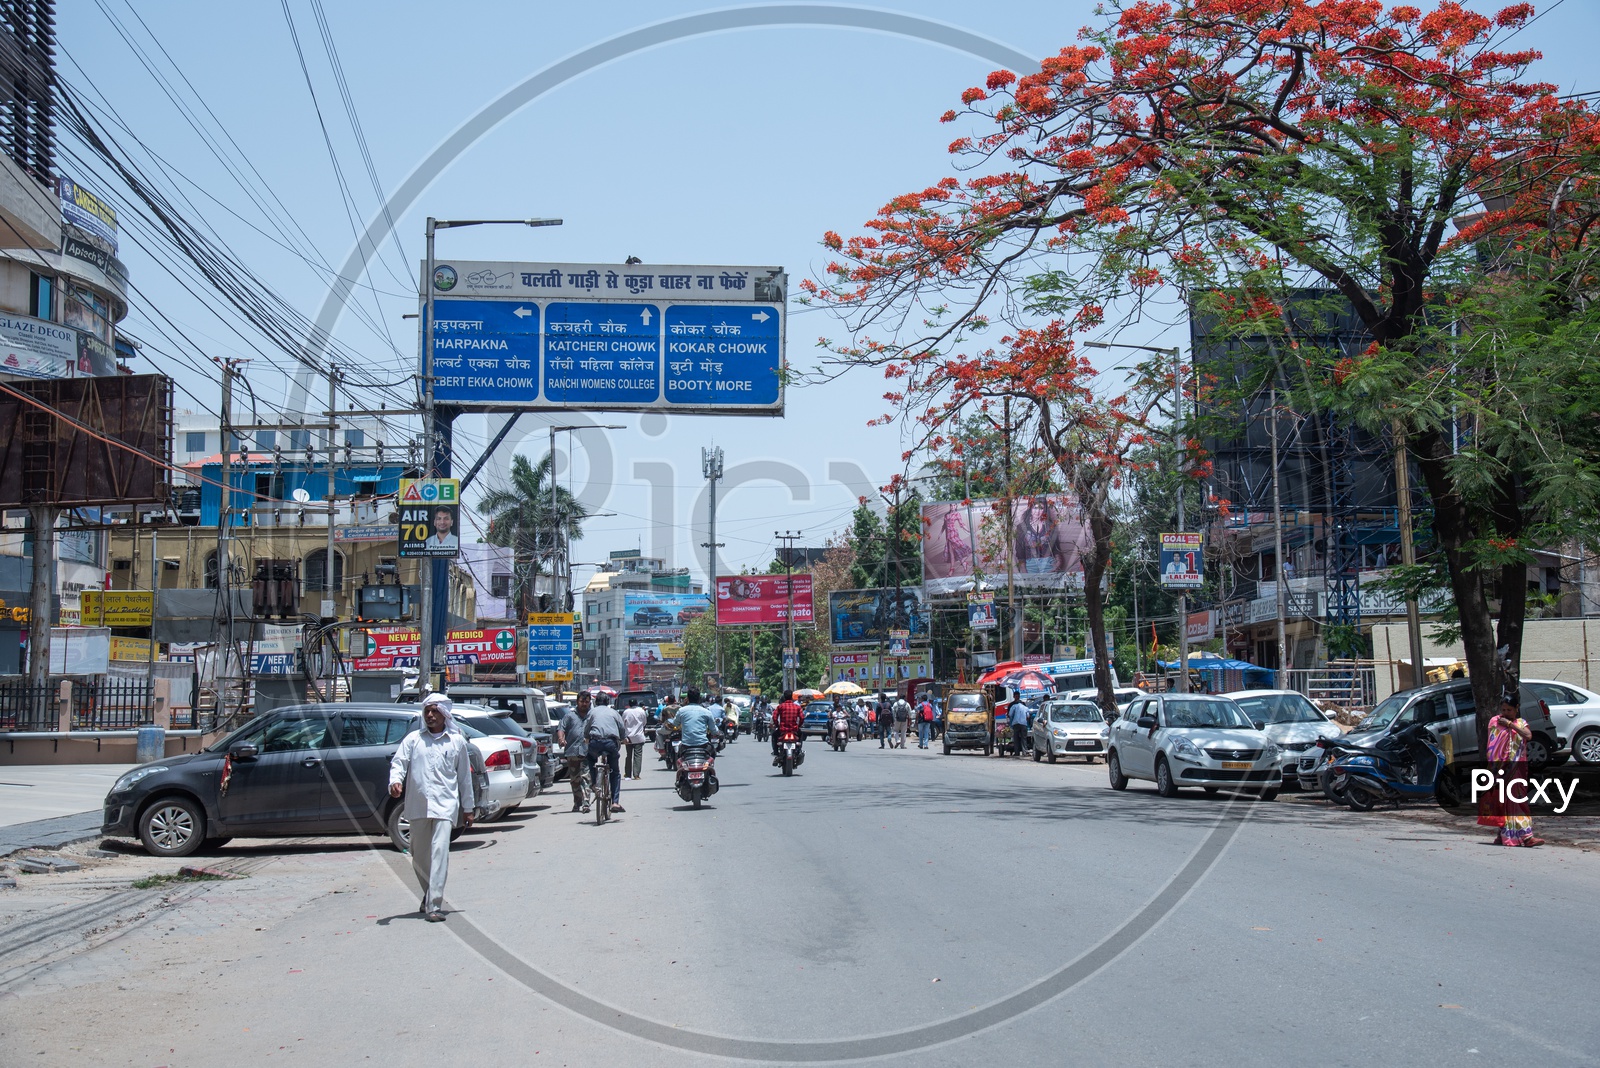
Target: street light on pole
{"x":1177,"y":425}
{"x":557,"y":537}
{"x":425,"y":650}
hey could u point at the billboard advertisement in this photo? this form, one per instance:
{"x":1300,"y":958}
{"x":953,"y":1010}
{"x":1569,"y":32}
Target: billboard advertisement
{"x":1181,"y":564}
{"x":1040,"y":540}
{"x":865,"y":617}
{"x":657,"y":612}
{"x":655,"y":652}
{"x":400,"y":647}
{"x":874,"y":672}
{"x":747,"y":599}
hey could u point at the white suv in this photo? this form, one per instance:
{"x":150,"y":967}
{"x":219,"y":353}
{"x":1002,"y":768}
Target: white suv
{"x":1178,"y":740}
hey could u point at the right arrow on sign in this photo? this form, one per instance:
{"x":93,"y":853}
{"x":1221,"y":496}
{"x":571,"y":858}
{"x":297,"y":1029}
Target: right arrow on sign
{"x":760,"y":316}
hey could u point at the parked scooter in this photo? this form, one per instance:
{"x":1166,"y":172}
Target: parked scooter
{"x":791,"y":752}
{"x":1412,"y":766}
{"x":697,"y":774}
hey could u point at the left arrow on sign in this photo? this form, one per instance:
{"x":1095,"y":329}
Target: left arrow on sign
{"x":522,"y":313}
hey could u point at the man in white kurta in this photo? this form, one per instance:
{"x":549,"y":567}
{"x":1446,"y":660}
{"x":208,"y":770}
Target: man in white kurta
{"x":434,"y":771}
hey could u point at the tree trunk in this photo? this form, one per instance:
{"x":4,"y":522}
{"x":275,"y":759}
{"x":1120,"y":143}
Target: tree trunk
{"x":1095,"y":566}
{"x":1455,"y":526}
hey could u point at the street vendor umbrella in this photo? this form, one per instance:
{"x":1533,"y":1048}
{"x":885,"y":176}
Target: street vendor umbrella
{"x":1025,"y":678}
{"x":597,"y":689}
{"x":808,"y":692}
{"x":845,"y":688}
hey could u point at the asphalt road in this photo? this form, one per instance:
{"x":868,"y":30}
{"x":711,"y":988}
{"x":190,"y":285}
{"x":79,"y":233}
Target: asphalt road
{"x":917,"y":908}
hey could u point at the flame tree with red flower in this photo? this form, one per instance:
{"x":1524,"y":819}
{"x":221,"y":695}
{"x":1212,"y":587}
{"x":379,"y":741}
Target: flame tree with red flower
{"x":1227,"y":153}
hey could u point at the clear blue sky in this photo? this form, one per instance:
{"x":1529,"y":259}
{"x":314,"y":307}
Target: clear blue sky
{"x":737,"y":148}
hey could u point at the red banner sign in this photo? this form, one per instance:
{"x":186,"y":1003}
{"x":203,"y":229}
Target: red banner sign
{"x":400,"y":647}
{"x":746,"y":599}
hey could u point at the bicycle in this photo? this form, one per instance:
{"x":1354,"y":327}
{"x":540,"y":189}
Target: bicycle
{"x":600,"y":788}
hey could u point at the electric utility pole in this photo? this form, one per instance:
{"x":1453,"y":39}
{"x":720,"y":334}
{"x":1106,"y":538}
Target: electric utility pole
{"x":791,"y":655}
{"x":711,"y":468}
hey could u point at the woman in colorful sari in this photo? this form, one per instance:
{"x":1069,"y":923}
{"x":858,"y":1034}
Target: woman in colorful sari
{"x":1508,"y":759}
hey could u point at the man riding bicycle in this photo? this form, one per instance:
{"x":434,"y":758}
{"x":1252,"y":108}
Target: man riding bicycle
{"x":785,"y":720}
{"x":603,"y":734}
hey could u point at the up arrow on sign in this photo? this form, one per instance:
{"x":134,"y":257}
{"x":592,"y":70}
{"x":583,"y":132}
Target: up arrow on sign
{"x":644,"y":316}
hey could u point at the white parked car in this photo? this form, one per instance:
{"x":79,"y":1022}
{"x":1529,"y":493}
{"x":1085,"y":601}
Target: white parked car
{"x":504,"y":784}
{"x":1124,"y":695}
{"x":1575,"y":714}
{"x":1291,"y":720}
{"x":1177,"y":740}
{"x":1069,"y":728}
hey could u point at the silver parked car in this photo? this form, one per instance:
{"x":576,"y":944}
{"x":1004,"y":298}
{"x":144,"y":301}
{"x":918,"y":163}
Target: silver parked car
{"x":1291,"y":720}
{"x":1069,"y":728}
{"x":1178,"y":740}
{"x":1575,"y":714}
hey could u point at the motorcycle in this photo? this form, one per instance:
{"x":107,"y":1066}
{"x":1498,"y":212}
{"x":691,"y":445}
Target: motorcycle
{"x":1408,"y":765}
{"x":791,"y":752}
{"x":665,"y":749}
{"x":838,"y":733}
{"x":759,"y":727}
{"x":697,"y":775}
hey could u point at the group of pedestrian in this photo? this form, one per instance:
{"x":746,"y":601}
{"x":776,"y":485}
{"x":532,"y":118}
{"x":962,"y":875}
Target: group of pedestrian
{"x":892,"y":721}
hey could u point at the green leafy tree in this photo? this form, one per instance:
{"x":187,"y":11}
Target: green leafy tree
{"x":522,"y":517}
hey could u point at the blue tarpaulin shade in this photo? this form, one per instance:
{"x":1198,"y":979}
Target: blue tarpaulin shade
{"x":1249,"y":673}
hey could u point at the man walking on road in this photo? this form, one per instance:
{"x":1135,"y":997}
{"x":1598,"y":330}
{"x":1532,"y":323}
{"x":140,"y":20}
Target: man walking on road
{"x":883,"y":721}
{"x":924,"y":723}
{"x":902,"y":723}
{"x":1018,"y":718}
{"x":432,"y":770}
{"x":603,"y":734}
{"x":633,"y":720}
{"x":570,"y":734}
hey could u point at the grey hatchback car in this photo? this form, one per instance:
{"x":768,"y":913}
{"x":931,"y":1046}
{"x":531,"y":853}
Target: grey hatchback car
{"x":301,"y":770}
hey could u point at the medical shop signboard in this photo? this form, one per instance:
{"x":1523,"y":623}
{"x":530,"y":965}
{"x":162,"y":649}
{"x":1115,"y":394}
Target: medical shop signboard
{"x":388,"y":648}
{"x":607,"y":337}
{"x":430,"y":517}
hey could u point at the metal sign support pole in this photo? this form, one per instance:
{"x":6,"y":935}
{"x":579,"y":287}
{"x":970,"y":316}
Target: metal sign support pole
{"x":425,"y":565}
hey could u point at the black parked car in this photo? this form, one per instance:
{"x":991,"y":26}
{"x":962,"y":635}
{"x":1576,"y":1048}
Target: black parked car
{"x":302,"y":770}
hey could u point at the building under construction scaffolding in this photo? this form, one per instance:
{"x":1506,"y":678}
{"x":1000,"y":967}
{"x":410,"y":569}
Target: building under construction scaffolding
{"x":1331,"y":490}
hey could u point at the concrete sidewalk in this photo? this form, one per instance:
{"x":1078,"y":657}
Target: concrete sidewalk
{"x":32,"y":792}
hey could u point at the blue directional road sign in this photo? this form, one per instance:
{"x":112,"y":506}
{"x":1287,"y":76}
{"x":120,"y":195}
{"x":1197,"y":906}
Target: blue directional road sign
{"x":602,"y":353}
{"x":550,"y":649}
{"x":723,"y":354}
{"x":485,"y":351}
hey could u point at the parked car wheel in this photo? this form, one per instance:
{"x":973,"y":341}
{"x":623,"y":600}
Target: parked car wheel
{"x":1586,"y":746}
{"x":1164,"y":784}
{"x":1119,"y":781}
{"x":172,"y":827}
{"x":1038,"y":756}
{"x":1269,"y":794}
{"x":1539,"y":751}
{"x":947,"y":747}
{"x":1052,"y":755}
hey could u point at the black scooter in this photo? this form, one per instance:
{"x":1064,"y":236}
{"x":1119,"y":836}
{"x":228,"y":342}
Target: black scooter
{"x":697,"y":774}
